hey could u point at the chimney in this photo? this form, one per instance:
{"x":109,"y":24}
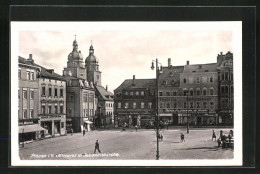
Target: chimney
{"x":106,"y":87}
{"x":169,"y":62}
{"x":30,"y":58}
{"x":221,"y":53}
{"x":188,"y":62}
{"x":133,"y":80}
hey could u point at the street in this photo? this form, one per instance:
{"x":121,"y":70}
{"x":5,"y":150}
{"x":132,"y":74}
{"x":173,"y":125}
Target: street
{"x":128,"y":144}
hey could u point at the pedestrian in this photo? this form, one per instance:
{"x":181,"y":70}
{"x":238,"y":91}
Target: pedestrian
{"x":182,"y":137}
{"x":135,"y":128}
{"x":221,"y":134}
{"x":71,"y":132}
{"x":213,"y":135}
{"x":219,"y":141}
{"x":97,"y":147}
{"x":84,"y":132}
{"x":161,"y":137}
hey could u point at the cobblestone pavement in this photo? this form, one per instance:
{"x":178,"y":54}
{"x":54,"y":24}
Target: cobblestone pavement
{"x":128,"y":144}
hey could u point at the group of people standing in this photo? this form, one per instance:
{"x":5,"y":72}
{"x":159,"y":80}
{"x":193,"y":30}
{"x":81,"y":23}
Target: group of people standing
{"x":223,"y":139}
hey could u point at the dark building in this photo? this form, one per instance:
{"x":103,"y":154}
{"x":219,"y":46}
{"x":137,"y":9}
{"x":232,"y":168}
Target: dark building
{"x":135,"y":102}
{"x":80,"y":94}
{"x":226,"y":88}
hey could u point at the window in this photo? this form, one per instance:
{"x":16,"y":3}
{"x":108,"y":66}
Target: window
{"x":43,"y":109}
{"x":19,"y":74}
{"x":211,"y":91}
{"x":204,"y":91}
{"x":56,"y":92}
{"x":126,"y":93}
{"x":222,"y":76}
{"x":168,"y":93}
{"x":174,"y":93}
{"x":85,"y":98}
{"x":126,"y":105}
{"x":56,"y":109}
{"x":198,"y":80}
{"x":231,"y":76}
{"x":198,"y":104}
{"x":61,"y":109}
{"x":18,"y":94}
{"x":191,"y":104}
{"x":134,"y":105}
{"x":160,"y":93}
{"x":174,"y":105}
{"x":131,"y":93}
{"x":31,"y":113}
{"x":119,"y":105}
{"x":25,"y":113}
{"x":185,"y":92}
{"x":191,"y":92}
{"x":184,"y":80}
{"x":226,"y":76}
{"x":62,"y":124}
{"x":204,"y":79}
{"x":211,"y":79}
{"x":142,"y":105}
{"x":31,"y":94}
{"x":25,"y":94}
{"x":49,"y":110}
{"x":142,"y":93}
{"x":191,"y":80}
{"x":137,"y":93}
{"x":149,"y":105}
{"x":168,"y":105}
{"x":97,"y":76}
{"x":28,"y":75}
{"x":185,"y":105}
{"x":49,"y":91}
{"x":211,"y":105}
{"x":43,"y":90}
{"x":61,"y":92}
{"x":161,"y":105}
{"x":91,"y":98}
{"x":164,"y":82}
{"x":197,"y":91}
{"x":204,"y":105}
{"x":32,"y":75}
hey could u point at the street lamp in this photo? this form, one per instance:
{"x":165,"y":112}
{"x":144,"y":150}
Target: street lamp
{"x":157,"y":114}
{"x":187,"y":93}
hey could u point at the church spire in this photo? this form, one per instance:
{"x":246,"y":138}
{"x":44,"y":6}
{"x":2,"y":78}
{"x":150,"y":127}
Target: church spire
{"x":75,"y":45}
{"x":91,"y":49}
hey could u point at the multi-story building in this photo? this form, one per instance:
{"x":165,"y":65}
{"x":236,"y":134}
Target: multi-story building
{"x":28,"y":100}
{"x":52,"y":104}
{"x":225,"y":88}
{"x":135,"y":102}
{"x":105,"y":106}
{"x":80,"y":94}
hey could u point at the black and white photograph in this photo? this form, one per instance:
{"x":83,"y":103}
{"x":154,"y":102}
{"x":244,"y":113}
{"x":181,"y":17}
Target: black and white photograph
{"x":126,"y":93}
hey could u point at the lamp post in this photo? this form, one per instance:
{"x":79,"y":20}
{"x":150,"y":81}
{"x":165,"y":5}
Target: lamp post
{"x":157,"y":114}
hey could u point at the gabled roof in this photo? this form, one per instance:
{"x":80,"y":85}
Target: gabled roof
{"x":211,"y":67}
{"x":103,"y":93}
{"x":138,"y":83}
{"x":44,"y":73}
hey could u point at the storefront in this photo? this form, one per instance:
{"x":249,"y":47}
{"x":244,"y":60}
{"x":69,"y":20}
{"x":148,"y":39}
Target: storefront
{"x":87,"y":124}
{"x":31,"y":132}
{"x":55,"y":125}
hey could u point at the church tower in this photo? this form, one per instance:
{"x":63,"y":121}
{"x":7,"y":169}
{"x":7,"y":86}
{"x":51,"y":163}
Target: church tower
{"x":91,"y":64}
{"x":75,"y":64}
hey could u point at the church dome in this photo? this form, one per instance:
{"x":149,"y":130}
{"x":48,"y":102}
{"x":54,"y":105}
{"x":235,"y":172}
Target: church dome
{"x":91,"y":57}
{"x":75,"y":55}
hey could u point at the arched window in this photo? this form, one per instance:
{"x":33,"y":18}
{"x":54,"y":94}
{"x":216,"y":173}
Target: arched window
{"x":211,"y":91}
{"x":204,"y":91}
{"x":198,"y":91}
{"x":191,"y":92}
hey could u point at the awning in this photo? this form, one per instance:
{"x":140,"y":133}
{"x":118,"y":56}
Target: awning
{"x":88,"y":122}
{"x":31,"y":128}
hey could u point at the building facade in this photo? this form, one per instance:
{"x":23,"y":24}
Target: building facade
{"x":226,"y":88}
{"x":135,"y":102}
{"x":52,"y":104}
{"x":80,"y":94}
{"x":28,"y":100}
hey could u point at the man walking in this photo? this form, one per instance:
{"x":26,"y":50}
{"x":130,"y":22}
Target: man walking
{"x":135,"y":128}
{"x":97,"y":147}
{"x":84,"y":132}
{"x":182,"y":137}
{"x":213,"y":135}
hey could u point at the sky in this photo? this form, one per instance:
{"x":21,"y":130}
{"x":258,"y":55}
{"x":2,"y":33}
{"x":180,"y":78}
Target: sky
{"x":125,"y":49}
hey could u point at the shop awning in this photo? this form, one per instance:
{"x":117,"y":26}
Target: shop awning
{"x":31,"y":128}
{"x":88,"y":122}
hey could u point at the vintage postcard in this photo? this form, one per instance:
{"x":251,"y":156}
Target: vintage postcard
{"x":126,"y":93}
